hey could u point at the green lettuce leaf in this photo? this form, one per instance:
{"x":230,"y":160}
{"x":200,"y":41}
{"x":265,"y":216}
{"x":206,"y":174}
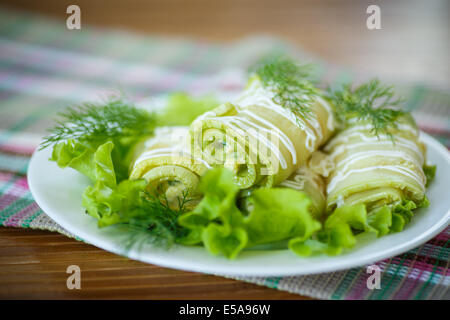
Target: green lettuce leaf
{"x":402,"y":213}
{"x":276,"y":214}
{"x":89,"y":158}
{"x":336,"y":234}
{"x":97,"y":165}
{"x":105,"y":200}
{"x":112,"y":205}
{"x":341,"y":228}
{"x":430,"y":173}
{"x":76,"y":155}
{"x":216,"y":221}
{"x":182,"y":109}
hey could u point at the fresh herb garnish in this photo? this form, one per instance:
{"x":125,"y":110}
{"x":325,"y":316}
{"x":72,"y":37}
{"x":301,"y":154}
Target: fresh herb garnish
{"x":96,"y":123}
{"x":370,"y":102}
{"x":290,"y":82}
{"x":157,"y":222}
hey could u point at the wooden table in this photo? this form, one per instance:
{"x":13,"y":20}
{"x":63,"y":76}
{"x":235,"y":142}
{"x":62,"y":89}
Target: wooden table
{"x":413,"y":44}
{"x":33,"y":265}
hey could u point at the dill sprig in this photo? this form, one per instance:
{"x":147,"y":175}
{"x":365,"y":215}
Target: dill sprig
{"x":90,"y":122}
{"x":372,"y":102}
{"x":290,"y":82}
{"x":157,"y":223}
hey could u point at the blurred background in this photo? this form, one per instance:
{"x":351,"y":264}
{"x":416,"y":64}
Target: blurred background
{"x":146,"y":49}
{"x":413,"y":44}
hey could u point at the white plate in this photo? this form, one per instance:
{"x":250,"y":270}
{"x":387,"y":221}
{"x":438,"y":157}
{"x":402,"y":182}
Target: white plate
{"x":58,"y":193}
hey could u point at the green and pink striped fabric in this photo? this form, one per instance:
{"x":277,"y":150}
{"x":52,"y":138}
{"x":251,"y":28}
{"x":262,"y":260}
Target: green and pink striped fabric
{"x":44,"y":67}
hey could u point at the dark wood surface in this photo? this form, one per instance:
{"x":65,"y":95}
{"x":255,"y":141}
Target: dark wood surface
{"x":33,"y":265}
{"x":413,"y":44}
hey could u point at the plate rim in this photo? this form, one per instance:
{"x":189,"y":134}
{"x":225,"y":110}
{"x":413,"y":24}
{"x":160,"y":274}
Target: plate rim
{"x":89,"y":238}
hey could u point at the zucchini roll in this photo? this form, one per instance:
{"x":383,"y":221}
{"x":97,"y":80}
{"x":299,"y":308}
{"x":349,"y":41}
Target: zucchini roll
{"x":261,"y":141}
{"x":376,"y":171}
{"x":166,"y":163}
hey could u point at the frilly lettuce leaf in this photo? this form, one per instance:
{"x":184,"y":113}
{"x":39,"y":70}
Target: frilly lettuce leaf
{"x":336,"y":233}
{"x":89,"y":157}
{"x":112,"y":205}
{"x":275,"y":214}
{"x":430,"y":173}
{"x":105,"y":200}
{"x":216,"y":221}
{"x":182,"y":109}
{"x":403,"y":213}
{"x":278,"y":214}
{"x":346,"y":222}
{"x":76,"y":155}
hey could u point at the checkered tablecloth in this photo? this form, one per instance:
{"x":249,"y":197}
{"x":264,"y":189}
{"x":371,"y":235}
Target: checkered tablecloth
{"x":45,"y":67}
